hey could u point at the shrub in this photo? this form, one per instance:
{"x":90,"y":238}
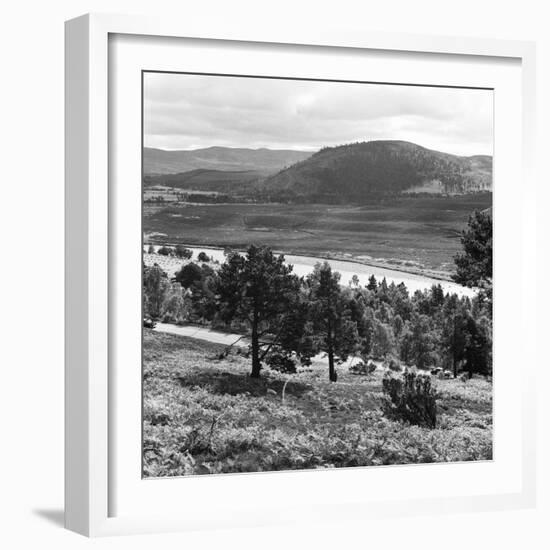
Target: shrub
{"x":189,"y":274}
{"x":182,"y":252}
{"x":280,"y":363}
{"x":149,"y":323}
{"x":410,"y":398}
{"x":165,"y":251}
{"x":203,"y":257}
{"x":151,"y":249}
{"x":393,"y":364}
{"x":363,"y":368}
{"x":176,"y":306}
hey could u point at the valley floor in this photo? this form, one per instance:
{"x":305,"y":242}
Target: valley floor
{"x":418,"y":235}
{"x":203,"y":414}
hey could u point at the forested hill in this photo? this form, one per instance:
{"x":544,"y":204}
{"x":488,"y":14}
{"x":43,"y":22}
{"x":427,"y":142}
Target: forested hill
{"x":379,"y":168}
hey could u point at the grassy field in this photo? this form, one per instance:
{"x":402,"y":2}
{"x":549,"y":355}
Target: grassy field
{"x":422,"y":230}
{"x":205,"y":415}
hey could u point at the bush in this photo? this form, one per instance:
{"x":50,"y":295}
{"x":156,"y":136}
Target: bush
{"x":281,"y":363}
{"x":182,"y":252}
{"x":165,"y":251}
{"x":393,"y":364}
{"x":203,"y":257}
{"x":189,"y":274}
{"x":410,"y":398}
{"x":151,"y":249}
{"x":149,"y":323}
{"x":176,"y":306}
{"x":363,"y":368}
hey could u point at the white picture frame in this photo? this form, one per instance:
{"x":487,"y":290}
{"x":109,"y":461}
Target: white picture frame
{"x":91,"y":220}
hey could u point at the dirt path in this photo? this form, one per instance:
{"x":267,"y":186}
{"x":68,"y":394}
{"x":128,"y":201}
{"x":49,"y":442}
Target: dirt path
{"x":228,"y":338}
{"x":203,"y":333}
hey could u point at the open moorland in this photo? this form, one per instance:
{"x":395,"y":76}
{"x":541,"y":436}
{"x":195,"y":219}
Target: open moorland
{"x":203,"y":414}
{"x":423,"y":230}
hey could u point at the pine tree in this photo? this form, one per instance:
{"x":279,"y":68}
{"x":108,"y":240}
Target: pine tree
{"x":331,"y":316}
{"x":257,"y":289}
{"x":373,"y":285}
{"x":475,"y":265}
{"x":454,"y":337}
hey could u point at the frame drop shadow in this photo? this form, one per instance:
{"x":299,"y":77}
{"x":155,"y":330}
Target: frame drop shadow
{"x":54,"y":516}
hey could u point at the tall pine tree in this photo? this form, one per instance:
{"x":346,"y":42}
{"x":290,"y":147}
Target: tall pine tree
{"x":258,"y":289}
{"x":331,"y":316}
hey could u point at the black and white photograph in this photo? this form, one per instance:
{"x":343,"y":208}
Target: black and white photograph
{"x":252,"y":298}
{"x":317,"y":274}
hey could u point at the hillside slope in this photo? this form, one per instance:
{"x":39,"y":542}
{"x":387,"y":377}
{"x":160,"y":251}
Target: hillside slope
{"x":376,"y":169}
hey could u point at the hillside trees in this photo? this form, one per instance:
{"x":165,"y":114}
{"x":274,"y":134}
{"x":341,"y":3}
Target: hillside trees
{"x":299,"y":318}
{"x":372,"y":283}
{"x":200,"y":281}
{"x":468,"y":332}
{"x":383,"y":340}
{"x":419,"y":342}
{"x":296,"y":332}
{"x":454,"y":338}
{"x":155,"y":286}
{"x":203,"y":295}
{"x":176,"y":306}
{"x":258,"y":289}
{"x":163,"y":299}
{"x":478,"y":351}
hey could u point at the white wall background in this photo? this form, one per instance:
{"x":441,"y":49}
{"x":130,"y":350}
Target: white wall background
{"x":31,"y":305}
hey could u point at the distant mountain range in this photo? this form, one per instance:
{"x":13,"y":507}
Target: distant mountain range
{"x":266,"y":161}
{"x":346,"y":173}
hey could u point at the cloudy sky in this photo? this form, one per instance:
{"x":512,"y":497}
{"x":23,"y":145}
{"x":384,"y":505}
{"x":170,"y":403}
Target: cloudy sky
{"x":191,"y":111}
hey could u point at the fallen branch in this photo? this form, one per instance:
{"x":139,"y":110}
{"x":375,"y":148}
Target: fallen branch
{"x":284,"y":388}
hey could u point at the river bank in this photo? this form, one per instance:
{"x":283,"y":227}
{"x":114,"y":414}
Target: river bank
{"x":303,"y":265}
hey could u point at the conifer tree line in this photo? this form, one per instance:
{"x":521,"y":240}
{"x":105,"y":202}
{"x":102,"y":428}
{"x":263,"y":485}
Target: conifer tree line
{"x":291,"y":319}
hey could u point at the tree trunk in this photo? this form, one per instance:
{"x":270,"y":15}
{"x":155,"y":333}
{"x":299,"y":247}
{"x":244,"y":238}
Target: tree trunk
{"x":455,"y":369}
{"x":331,"y":370}
{"x":256,"y":365}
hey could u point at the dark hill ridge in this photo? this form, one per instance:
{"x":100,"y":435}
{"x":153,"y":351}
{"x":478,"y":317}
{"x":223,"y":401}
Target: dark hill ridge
{"x":221,"y":181}
{"x":376,"y":169}
{"x":266,"y":161}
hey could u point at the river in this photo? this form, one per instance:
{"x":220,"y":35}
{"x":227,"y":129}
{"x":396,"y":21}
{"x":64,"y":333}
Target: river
{"x":303,"y":265}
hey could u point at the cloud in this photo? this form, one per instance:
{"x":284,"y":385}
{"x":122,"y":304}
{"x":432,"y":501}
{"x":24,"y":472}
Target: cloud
{"x":192,"y":111}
